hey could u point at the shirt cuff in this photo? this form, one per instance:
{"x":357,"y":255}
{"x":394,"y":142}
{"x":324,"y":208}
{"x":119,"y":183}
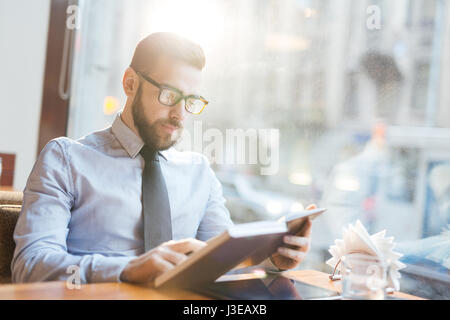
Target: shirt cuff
{"x":108,"y":269}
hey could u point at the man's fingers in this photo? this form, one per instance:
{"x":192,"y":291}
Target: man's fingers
{"x":185,"y":245}
{"x":161,"y":259}
{"x":301,"y":242}
{"x":161,"y":264}
{"x":292,"y":254}
{"x":311,"y":207}
{"x":170,"y":255}
{"x":149,"y":269}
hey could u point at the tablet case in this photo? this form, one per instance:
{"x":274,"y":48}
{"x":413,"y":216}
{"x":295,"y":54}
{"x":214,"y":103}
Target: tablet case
{"x":248,"y":244}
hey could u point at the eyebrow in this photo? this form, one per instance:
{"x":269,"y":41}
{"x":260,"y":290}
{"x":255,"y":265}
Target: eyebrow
{"x":179,"y":91}
{"x":157,"y":83}
{"x":171,"y":87}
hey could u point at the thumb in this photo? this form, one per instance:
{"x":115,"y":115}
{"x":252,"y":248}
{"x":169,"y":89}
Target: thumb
{"x":311,"y":207}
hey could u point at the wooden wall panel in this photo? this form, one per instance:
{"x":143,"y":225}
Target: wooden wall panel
{"x":8,"y":165}
{"x":55,"y":110}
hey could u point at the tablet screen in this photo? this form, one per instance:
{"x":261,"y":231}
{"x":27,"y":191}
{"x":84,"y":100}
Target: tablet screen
{"x":274,"y":287}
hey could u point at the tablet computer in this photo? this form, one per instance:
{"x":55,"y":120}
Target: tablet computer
{"x":244,"y":244}
{"x":274,"y":287}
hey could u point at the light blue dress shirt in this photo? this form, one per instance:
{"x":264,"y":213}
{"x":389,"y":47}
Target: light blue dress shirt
{"x":82,"y":206}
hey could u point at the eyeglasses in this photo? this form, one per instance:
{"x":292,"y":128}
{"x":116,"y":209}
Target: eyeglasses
{"x":170,"y":96}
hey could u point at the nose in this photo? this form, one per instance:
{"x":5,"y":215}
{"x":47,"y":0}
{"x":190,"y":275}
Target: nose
{"x":178,"y":111}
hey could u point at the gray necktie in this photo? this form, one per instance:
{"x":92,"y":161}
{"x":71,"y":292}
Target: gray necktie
{"x":155,"y":202}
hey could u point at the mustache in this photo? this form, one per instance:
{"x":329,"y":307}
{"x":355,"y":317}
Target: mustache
{"x":172,"y":122}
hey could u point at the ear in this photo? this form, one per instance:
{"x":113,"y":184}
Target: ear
{"x":130,"y":82}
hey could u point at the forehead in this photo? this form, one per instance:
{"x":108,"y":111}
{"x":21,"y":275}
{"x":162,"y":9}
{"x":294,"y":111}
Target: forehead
{"x":178,"y":74}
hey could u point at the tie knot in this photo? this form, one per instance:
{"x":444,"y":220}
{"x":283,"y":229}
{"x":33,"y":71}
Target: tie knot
{"x":149,"y":154}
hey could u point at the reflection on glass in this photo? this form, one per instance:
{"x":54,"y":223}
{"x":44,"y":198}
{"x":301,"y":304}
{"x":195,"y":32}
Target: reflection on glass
{"x":363,"y":113}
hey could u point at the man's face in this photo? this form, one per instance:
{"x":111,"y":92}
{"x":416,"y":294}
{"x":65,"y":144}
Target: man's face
{"x":160,"y":126}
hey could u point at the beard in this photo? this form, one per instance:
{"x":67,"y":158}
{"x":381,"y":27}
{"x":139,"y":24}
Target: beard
{"x":149,"y":131}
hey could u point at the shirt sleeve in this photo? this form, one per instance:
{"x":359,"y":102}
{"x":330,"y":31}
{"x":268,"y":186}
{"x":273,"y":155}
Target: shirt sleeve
{"x":41,"y":232}
{"x":217,"y":217}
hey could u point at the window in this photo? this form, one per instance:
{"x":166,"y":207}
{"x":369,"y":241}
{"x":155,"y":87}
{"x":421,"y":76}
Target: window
{"x":358,"y":107}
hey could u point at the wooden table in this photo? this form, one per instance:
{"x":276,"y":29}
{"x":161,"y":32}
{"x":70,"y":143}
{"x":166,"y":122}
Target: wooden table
{"x":124,"y":291}
{"x":320,"y":279}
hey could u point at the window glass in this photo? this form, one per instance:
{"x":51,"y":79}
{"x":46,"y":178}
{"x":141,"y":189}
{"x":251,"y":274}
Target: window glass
{"x":345,"y":102}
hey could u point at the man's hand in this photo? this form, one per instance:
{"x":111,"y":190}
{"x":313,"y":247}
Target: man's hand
{"x":290,"y":257}
{"x":146,"y":267}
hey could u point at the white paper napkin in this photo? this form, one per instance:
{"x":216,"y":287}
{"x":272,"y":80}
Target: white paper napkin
{"x":356,"y":239}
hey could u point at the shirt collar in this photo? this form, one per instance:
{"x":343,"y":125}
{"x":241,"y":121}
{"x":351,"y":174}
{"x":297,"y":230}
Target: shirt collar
{"x":131,"y":142}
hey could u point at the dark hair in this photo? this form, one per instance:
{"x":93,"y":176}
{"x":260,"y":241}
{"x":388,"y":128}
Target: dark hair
{"x":170,"y":44}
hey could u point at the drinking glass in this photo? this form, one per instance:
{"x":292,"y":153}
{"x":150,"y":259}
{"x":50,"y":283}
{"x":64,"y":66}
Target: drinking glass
{"x":364,"y":277}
